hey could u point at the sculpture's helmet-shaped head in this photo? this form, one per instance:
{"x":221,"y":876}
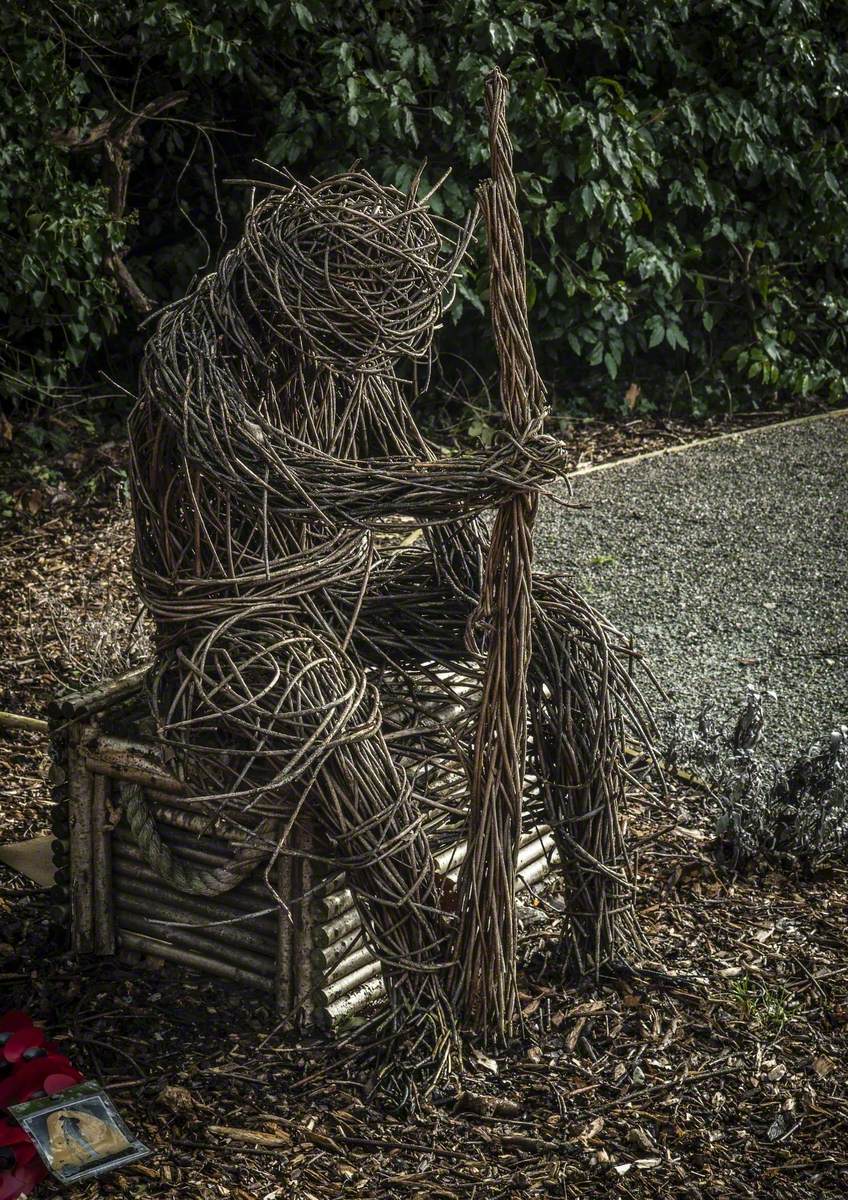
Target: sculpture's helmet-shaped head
{"x":353,"y":274}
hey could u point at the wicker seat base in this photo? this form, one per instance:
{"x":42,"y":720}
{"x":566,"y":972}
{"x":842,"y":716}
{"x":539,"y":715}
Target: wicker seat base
{"x":311,"y":957}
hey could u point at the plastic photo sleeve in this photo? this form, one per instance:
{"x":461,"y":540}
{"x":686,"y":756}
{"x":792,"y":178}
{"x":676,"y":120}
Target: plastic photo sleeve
{"x":78,"y":1133}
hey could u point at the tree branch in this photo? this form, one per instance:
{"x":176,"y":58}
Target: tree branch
{"x":114,"y":135}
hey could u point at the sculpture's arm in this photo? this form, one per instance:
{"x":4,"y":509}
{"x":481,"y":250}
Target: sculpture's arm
{"x":231,"y":435}
{"x":305,"y":485}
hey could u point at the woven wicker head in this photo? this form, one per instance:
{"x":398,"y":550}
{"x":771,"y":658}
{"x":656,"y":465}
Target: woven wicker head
{"x":353,"y":273}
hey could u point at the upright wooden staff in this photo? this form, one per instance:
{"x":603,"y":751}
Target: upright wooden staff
{"x":485,"y":984}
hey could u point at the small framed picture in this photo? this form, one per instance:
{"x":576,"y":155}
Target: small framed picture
{"x":78,"y":1133}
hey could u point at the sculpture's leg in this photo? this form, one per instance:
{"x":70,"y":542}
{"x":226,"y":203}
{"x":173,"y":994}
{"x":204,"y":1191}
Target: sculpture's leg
{"x":581,"y":703}
{"x":363,"y":802}
{"x":268,"y":713}
{"x":581,"y":700}
{"x":364,"y":806}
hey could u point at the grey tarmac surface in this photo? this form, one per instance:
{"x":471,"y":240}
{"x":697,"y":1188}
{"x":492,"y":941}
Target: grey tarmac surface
{"x":727,"y":562}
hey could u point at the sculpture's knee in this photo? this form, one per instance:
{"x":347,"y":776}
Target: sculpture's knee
{"x":276,"y":700}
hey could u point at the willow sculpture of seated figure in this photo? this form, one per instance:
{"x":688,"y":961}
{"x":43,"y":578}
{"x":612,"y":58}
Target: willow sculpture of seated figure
{"x":273,"y":446}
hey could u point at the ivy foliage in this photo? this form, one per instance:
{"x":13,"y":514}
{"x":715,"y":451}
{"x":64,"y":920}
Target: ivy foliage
{"x":680,"y":164}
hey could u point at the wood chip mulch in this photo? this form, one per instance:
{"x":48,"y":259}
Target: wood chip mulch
{"x":715,"y":1068}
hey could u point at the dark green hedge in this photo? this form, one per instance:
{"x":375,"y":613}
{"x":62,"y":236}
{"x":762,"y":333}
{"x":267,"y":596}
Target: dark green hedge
{"x":682,"y":163}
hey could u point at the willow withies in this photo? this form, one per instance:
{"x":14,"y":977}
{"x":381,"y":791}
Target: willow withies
{"x":273,"y":440}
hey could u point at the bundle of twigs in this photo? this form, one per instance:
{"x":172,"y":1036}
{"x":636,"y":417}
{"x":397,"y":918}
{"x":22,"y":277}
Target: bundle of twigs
{"x":485,"y":972}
